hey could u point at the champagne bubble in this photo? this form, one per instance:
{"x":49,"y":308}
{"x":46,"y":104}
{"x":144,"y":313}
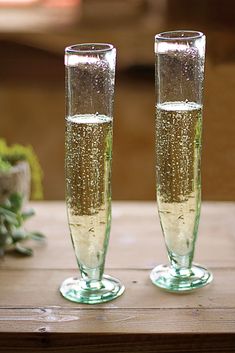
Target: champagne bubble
{"x":178,"y":145}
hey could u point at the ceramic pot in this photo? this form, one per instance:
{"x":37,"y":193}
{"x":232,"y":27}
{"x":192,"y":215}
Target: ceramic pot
{"x":17,"y":179}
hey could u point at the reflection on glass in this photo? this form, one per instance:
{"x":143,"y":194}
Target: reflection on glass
{"x":90,"y":73}
{"x":179,"y":79}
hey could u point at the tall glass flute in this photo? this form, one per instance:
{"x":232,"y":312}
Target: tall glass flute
{"x":90,"y":75}
{"x":179,"y":86}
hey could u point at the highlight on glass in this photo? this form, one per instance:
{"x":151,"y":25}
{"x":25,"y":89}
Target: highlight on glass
{"x":179,"y":74}
{"x":90,"y":80}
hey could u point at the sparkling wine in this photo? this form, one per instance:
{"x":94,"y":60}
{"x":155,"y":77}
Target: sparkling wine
{"x":88,"y":185}
{"x":178,"y":150}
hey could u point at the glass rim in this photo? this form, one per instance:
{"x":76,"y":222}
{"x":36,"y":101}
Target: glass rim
{"x":175,"y":35}
{"x":88,"y":48}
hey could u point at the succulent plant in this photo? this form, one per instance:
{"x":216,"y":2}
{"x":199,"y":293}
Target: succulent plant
{"x":12,"y":231}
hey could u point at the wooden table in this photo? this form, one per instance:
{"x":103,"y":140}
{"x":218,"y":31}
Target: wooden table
{"x":34,"y":317}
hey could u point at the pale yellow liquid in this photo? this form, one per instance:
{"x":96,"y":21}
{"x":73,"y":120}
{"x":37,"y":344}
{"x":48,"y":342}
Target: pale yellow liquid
{"x":88,"y":185}
{"x":178,"y":150}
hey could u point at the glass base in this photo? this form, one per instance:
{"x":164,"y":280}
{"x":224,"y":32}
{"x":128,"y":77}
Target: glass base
{"x":75,"y":290}
{"x":164,"y":277}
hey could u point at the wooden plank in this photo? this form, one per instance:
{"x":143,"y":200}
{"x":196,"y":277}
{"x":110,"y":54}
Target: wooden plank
{"x":132,"y":321}
{"x":135,"y":226}
{"x":33,"y":288}
{"x":34,"y":317}
{"x":116,"y":343}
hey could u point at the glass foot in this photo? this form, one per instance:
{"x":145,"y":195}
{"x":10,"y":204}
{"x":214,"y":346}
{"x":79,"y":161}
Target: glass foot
{"x":164,"y":277}
{"x":75,"y":290}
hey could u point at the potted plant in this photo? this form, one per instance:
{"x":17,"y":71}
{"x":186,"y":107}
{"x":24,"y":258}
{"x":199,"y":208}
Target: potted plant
{"x":20,"y":172}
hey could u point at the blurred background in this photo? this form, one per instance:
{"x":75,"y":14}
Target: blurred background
{"x":33,"y":34}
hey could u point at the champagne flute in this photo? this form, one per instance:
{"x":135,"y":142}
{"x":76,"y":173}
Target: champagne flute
{"x":90,"y":78}
{"x":179,"y":78}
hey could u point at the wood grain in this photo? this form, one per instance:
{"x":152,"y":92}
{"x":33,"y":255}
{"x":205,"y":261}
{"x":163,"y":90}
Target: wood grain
{"x":117,"y":343}
{"x":34,"y":317}
{"x":41,"y":288}
{"x":135,"y":226}
{"x":115,"y":320}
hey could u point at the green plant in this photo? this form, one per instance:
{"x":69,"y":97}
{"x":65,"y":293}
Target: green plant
{"x":10,"y":155}
{"x":4,"y":165}
{"x":12,"y":232}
